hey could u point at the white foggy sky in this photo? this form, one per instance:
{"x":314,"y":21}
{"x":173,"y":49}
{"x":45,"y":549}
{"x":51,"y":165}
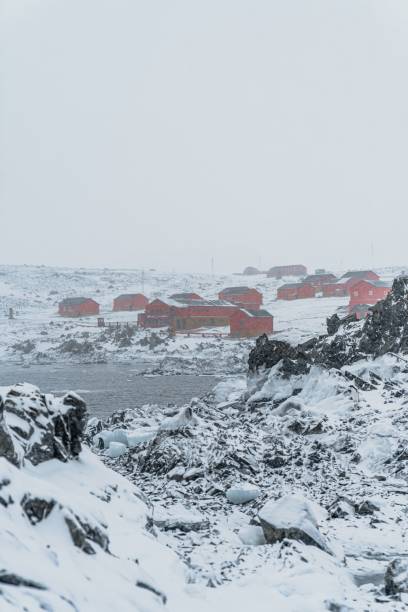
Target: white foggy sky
{"x":159,"y":133}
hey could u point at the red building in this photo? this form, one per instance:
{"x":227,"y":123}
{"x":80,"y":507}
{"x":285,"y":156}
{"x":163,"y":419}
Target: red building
{"x":339,"y":289}
{"x":130,"y":301}
{"x":185,"y":298}
{"x":280,"y":271}
{"x":368,"y":292}
{"x":156,"y":314}
{"x":296,"y":291}
{"x":78,"y":307}
{"x":355,"y":275}
{"x":318,"y":280}
{"x":242,"y":296}
{"x":205,"y":314}
{"x":250,"y":323}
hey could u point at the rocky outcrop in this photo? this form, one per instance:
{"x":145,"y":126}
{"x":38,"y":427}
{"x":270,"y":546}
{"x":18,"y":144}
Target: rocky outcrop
{"x":291,"y":517}
{"x":35,"y":427}
{"x":396,"y":577}
{"x":385,"y":330}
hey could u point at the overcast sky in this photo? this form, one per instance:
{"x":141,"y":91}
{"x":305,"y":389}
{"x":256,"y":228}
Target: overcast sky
{"x":162,"y":133}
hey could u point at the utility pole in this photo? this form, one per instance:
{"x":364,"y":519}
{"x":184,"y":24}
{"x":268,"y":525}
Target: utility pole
{"x":143,"y":280}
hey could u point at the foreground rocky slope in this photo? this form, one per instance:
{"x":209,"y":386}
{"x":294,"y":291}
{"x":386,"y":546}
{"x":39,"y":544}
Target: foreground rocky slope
{"x":73,"y":533}
{"x":290,"y":490}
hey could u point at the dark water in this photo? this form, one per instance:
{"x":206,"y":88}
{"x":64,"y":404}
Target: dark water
{"x":107,"y":388}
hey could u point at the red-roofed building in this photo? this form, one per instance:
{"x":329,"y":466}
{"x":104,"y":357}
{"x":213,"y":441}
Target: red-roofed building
{"x":245,"y":297}
{"x":156,"y":314}
{"x":250,"y":323}
{"x":78,"y":307}
{"x":296,"y":291}
{"x":368,"y":292}
{"x":130,"y":301}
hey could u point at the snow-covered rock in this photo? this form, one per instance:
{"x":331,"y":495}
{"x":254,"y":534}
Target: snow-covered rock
{"x":36,"y":427}
{"x":396,"y":577}
{"x":242,"y":493}
{"x":72,"y":532}
{"x":252,"y":535}
{"x":292,"y":517}
{"x":184,"y":418}
{"x":178,"y":517}
{"x":116,"y":449}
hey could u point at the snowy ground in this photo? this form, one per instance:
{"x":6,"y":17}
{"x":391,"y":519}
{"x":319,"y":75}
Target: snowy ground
{"x":162,"y":495}
{"x":39,"y":335}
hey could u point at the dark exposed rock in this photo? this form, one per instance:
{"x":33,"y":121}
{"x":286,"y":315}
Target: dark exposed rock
{"x":396,"y":577}
{"x":16,"y":580}
{"x":82,"y":534}
{"x":36,"y":508}
{"x":7,"y":448}
{"x":366,"y":508}
{"x":144,"y":585}
{"x":37,"y":429}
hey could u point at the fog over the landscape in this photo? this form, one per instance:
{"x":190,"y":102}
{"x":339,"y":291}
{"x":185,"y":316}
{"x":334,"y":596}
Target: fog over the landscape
{"x":164,"y":133}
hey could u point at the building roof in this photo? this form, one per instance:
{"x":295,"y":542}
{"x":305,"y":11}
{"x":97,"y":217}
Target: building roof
{"x":315,"y":277}
{"x":185,"y":297}
{"x":256,"y":313}
{"x":376,"y":283}
{"x":236,"y":290}
{"x":76,"y":301}
{"x":124,"y":296}
{"x":357,"y":273}
{"x":292,"y":285}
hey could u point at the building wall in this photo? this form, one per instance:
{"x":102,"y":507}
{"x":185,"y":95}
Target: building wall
{"x":79,"y":310}
{"x":188,"y":323}
{"x":296,"y":293}
{"x":194,"y":316}
{"x":364,"y":293}
{"x":250,"y":299}
{"x":334,"y":290}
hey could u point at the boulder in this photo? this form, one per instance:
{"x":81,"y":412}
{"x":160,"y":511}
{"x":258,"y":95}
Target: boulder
{"x":37,"y":427}
{"x":292,"y":517}
{"x":242,"y":493}
{"x":396,"y":577}
{"x":252,"y":535}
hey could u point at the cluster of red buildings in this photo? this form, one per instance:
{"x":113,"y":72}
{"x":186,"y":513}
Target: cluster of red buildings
{"x":326,"y":284}
{"x":363,"y":286}
{"x":83,"y":306}
{"x":238,"y":307}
